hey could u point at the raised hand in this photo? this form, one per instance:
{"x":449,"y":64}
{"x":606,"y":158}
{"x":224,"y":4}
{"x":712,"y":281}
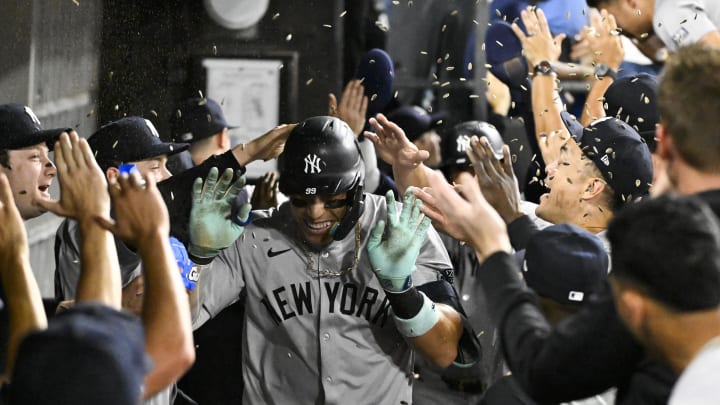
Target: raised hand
{"x":392,"y":144}
{"x":140,"y":212}
{"x":353,"y":106}
{"x":496,"y":179}
{"x":478,"y":223}
{"x":394,"y":246}
{"x":538,"y":44}
{"x":213,"y":224}
{"x":83,"y":187}
{"x":603,"y":39}
{"x":265,"y":194}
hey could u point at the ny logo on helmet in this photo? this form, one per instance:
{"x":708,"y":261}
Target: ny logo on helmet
{"x":463,"y":142}
{"x":312,"y":163}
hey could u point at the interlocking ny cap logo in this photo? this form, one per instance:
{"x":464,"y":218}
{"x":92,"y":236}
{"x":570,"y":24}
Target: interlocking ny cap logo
{"x":312,"y":163}
{"x":32,"y":115}
{"x":463,"y":143}
{"x":152,"y":129}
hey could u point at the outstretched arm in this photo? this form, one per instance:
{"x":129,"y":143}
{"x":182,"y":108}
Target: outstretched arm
{"x":22,"y":294}
{"x":540,"y":46}
{"x":433,"y":329}
{"x":142,"y":221}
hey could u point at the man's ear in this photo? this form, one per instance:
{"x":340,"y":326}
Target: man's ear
{"x":665,"y":147}
{"x":632,"y":308}
{"x":112,"y":173}
{"x":593,"y":188}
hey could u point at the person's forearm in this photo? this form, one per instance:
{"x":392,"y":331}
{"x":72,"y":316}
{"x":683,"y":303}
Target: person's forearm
{"x":372,"y":173}
{"x":547,"y":106}
{"x":406,"y":177}
{"x":100,"y":270}
{"x":24,"y":303}
{"x":166,"y":315}
{"x":594,"y":103}
{"x":440,"y":344}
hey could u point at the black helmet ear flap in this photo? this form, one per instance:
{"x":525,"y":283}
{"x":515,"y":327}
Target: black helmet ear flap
{"x":346,"y":224}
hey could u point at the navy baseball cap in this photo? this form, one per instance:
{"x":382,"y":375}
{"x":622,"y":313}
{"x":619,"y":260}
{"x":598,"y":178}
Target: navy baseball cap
{"x":564,"y":263}
{"x":196,"y":119}
{"x":89,"y":354}
{"x":414,"y":120}
{"x":633,"y":99}
{"x":618,"y":151}
{"x":457,"y":141}
{"x":503,"y":51}
{"x":377,"y":73}
{"x":20,"y":128}
{"x":130,"y":139}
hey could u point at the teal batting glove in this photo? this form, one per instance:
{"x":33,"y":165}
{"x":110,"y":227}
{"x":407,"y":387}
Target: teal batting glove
{"x":393,"y":249}
{"x":213,"y":224}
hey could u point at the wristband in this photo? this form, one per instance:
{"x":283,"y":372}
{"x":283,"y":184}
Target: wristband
{"x":394,"y":285}
{"x":422,"y":322}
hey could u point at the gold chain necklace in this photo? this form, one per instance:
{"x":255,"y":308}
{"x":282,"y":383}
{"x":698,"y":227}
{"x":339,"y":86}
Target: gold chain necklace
{"x":328,"y":273}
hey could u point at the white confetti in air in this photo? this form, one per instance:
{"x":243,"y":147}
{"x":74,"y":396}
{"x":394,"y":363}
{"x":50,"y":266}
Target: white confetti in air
{"x":275,"y":16}
{"x":288,"y":38}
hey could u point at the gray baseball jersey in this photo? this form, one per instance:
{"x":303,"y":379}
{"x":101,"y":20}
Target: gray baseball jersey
{"x":310,"y":339}
{"x":683,"y":22}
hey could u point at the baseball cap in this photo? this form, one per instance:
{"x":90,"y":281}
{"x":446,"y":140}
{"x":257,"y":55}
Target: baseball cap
{"x":565,"y":263}
{"x":414,"y":120}
{"x":196,"y":119}
{"x":503,"y":52}
{"x":633,"y":99}
{"x":89,"y":354}
{"x":20,"y":128}
{"x":457,"y":141}
{"x":377,"y":73}
{"x":618,"y":152}
{"x":130,"y":139}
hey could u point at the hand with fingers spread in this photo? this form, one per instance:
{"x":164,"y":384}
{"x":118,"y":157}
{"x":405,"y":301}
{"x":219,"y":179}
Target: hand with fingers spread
{"x":539,"y":44}
{"x":496,"y":178}
{"x":265,"y":194}
{"x":393,"y":146}
{"x":353,"y":106}
{"x":604,"y":40}
{"x":478,"y":222}
{"x":212,"y":226}
{"x":83,"y":186}
{"x":140,"y":212}
{"x":395,"y":245}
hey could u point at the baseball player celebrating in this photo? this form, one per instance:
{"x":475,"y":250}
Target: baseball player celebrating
{"x":339,"y":289}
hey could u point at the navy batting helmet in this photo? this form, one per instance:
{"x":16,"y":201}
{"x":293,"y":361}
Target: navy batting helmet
{"x":458,"y":140}
{"x":322,"y":157}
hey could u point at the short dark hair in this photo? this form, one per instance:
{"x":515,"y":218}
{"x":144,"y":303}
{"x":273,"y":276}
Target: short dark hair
{"x":669,"y":248}
{"x":689,"y":101}
{"x":598,"y":3}
{"x":5,"y":158}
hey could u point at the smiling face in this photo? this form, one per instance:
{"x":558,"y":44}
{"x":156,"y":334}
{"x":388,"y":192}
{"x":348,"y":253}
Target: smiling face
{"x":567,"y":179}
{"x":30,"y":174}
{"x":318,"y":215}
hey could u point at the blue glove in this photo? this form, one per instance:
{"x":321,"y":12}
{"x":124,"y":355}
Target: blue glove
{"x":213,"y":224}
{"x":393,"y":249}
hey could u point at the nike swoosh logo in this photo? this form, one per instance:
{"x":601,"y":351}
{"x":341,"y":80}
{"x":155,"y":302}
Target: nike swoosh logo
{"x":277,"y":252}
